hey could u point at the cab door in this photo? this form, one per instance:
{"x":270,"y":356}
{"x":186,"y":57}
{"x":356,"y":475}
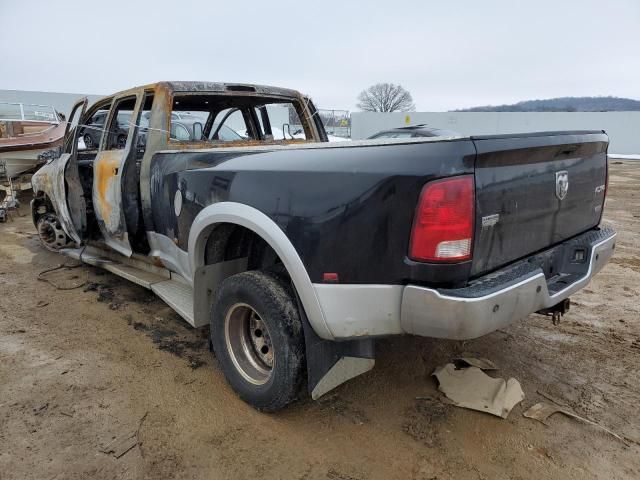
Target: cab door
{"x":67,"y":189}
{"x":116,"y":154}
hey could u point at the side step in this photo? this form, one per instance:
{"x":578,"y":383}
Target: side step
{"x":171,"y":288}
{"x":178,"y":295}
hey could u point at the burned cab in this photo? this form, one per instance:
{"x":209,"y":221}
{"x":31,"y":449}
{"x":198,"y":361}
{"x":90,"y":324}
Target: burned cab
{"x":99,"y":189}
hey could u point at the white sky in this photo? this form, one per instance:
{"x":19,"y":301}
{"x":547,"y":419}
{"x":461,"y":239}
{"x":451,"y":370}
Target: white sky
{"x":449,"y":55}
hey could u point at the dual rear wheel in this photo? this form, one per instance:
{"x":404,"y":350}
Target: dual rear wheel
{"x":258,"y":339}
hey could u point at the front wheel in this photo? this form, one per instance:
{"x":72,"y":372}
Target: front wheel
{"x":51,"y":234}
{"x":258,"y":339}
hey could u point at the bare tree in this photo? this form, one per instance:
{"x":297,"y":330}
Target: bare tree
{"x":385,"y":97}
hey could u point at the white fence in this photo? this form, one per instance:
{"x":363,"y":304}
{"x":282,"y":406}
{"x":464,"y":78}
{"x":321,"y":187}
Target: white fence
{"x":623,"y":128}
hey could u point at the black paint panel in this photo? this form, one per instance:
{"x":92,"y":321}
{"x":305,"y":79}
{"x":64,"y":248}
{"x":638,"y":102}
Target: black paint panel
{"x":347,"y":210}
{"x":516,"y":179}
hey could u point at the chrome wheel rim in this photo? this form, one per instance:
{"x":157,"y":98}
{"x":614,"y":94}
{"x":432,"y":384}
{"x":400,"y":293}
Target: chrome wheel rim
{"x":249,"y":344}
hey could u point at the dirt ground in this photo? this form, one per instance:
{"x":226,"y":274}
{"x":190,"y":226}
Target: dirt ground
{"x":81,"y":368}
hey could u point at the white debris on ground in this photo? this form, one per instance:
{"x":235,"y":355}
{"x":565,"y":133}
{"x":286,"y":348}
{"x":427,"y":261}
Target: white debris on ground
{"x":472,"y":388}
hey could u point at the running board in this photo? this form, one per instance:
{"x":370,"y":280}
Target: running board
{"x":170,"y":287}
{"x":178,"y":295}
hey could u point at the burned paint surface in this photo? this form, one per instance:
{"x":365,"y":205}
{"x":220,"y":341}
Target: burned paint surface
{"x":113,"y":170}
{"x":107,"y":199}
{"x":50,"y":181}
{"x":106,"y":169}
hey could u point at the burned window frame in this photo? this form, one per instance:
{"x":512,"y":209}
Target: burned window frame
{"x":114,"y":111}
{"x":299,"y":103}
{"x":103,"y":104}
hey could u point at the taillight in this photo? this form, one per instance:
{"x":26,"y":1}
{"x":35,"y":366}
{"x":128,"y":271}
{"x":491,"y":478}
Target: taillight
{"x":443,"y":224}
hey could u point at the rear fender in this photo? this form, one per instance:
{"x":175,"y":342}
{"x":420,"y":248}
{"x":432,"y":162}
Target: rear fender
{"x":329,"y":363}
{"x":258,"y":222}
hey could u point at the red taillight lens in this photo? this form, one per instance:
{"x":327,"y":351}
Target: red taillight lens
{"x":443,"y":225}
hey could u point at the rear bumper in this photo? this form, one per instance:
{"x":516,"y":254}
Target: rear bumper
{"x":487,"y":304}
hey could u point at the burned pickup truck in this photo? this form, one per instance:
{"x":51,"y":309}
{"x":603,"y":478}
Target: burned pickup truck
{"x":299,"y":253}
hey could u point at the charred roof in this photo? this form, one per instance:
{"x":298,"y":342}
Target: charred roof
{"x":222,"y":87}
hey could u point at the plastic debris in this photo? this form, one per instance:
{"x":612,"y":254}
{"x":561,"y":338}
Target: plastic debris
{"x":472,"y":388}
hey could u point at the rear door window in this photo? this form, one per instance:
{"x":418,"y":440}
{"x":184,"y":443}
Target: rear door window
{"x":93,"y":128}
{"x":120,"y":124}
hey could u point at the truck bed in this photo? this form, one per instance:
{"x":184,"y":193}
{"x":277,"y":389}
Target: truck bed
{"x":349,"y":207}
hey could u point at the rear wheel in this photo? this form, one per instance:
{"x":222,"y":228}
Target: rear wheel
{"x":258,"y":339}
{"x":88,"y":141}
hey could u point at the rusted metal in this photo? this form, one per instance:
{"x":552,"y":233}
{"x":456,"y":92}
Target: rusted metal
{"x":176,"y":145}
{"x":56,"y":185}
{"x":114,"y":188}
{"x":106,"y":168}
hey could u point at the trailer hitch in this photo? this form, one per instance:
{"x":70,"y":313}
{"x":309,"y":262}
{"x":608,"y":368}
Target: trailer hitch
{"x":557,"y":311}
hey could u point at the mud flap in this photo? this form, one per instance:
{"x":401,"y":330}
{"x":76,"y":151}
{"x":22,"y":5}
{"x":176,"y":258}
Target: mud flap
{"x":330,"y":363}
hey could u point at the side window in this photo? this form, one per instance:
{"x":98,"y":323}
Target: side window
{"x":73,"y":127}
{"x":220,"y":118}
{"x":189,"y":115}
{"x":226,"y":134}
{"x":228,"y":126}
{"x":179,"y":132}
{"x":118,"y":130}
{"x":283,"y":119}
{"x":142,"y":132}
{"x":93,"y":128}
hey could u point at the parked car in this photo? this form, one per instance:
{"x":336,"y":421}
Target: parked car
{"x":183,"y":130}
{"x":91,"y":133}
{"x":415,"y":131}
{"x":299,"y":253}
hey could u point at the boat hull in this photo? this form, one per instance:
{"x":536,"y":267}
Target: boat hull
{"x":18,"y":162}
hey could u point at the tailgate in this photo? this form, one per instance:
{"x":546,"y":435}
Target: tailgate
{"x":534,"y":191}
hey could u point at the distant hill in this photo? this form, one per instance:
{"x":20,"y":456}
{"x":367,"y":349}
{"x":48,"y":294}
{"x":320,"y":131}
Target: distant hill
{"x":564,"y":104}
